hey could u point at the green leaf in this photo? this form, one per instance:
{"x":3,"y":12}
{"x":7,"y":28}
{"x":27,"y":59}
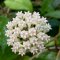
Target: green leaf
{"x":25,"y":58}
{"x":47,"y":55}
{"x":46,"y":6}
{"x":54,"y":14}
{"x":7,"y":55}
{"x":3,"y":22}
{"x":55,"y":27}
{"x":54,"y":22}
{"x":56,"y":3}
{"x":19,"y":4}
{"x":58,"y":41}
{"x":51,"y":43}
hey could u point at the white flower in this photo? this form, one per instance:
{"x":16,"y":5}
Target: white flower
{"x":9,"y":25}
{"x":43,"y":36}
{"x":15,"y":21}
{"x":27,"y":15}
{"x":21,"y":24}
{"x":16,"y":45}
{"x":36,"y":15}
{"x":16,"y":31}
{"x":41,"y":48}
{"x":19,"y":14}
{"x":33,"y":40}
{"x":10,"y":42}
{"x":24,"y":34}
{"x":27,"y":33}
{"x":22,"y":51}
{"x":40,"y":44}
{"x":43,"y":27}
{"x":44,"y":20}
{"x":33,"y":50}
{"x":9,"y":33}
{"x":32,"y":31}
{"x":26,"y":45}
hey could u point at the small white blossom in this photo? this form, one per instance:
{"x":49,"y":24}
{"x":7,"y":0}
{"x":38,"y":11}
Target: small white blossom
{"x":24,"y":34}
{"x":26,"y":45}
{"x":9,"y":25}
{"x":21,"y":24}
{"x":43,"y":36}
{"x":27,"y":15}
{"x":33,"y":50}
{"x":33,"y":40}
{"x":15,"y":21}
{"x":43,"y":27}
{"x":10,"y":42}
{"x":16,"y":31}
{"x":16,"y":46}
{"x":36,"y":15}
{"x":22,"y":51}
{"x":9,"y":33}
{"x":19,"y":15}
{"x":32,"y":31}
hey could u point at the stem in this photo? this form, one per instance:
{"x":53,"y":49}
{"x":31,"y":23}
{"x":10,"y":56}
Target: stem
{"x":58,"y":55}
{"x":56,"y":44}
{"x":56,"y":39}
{"x":53,"y":48}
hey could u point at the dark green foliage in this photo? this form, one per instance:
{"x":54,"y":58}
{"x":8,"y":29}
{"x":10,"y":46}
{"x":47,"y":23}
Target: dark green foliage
{"x":3,"y":38}
{"x":54,"y":14}
{"x":47,"y":55}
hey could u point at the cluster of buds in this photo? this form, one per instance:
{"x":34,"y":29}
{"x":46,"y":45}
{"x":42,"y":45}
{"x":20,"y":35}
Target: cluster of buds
{"x":27,"y":33}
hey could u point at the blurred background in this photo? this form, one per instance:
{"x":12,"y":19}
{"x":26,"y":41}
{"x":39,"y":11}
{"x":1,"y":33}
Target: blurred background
{"x":47,"y":8}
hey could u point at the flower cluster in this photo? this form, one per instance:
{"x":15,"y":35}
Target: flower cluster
{"x":27,"y":33}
